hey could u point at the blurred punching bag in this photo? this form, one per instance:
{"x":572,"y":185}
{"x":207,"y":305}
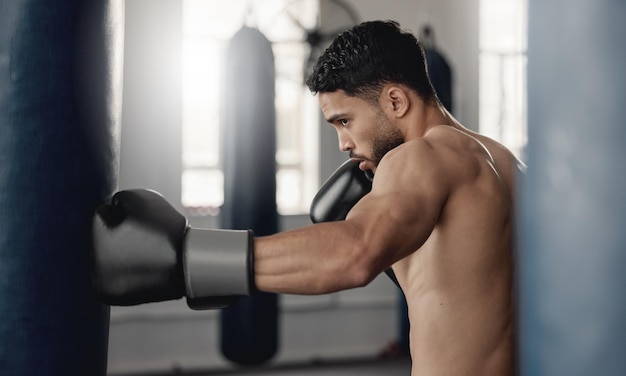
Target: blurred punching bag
{"x":249,"y":328}
{"x":60,"y":72}
{"x":572,"y":243}
{"x":439,"y":70}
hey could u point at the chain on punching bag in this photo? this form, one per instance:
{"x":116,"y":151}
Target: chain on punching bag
{"x":58,"y":118}
{"x":249,"y":328}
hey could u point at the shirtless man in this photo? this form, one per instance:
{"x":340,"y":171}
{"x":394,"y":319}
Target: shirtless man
{"x":440,"y":210}
{"x":440,"y":213}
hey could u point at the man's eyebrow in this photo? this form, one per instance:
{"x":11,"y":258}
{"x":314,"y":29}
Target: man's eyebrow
{"x":334,"y":118}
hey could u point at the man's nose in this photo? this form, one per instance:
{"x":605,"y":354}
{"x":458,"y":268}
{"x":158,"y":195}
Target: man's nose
{"x":345,"y":143}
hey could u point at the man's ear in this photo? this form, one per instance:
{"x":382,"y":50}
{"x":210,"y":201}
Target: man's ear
{"x":395,"y":101}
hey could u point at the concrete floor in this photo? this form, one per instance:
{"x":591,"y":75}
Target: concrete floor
{"x":360,"y":367}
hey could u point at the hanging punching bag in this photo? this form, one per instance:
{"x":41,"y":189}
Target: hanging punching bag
{"x":439,"y":71}
{"x":440,"y":75}
{"x":249,"y":328}
{"x":572,"y":243}
{"x":59,"y":113}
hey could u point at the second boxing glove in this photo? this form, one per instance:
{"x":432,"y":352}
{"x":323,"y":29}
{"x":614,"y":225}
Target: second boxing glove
{"x":343,"y":189}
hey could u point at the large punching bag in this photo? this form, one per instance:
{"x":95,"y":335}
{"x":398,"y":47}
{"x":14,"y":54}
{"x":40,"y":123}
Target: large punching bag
{"x":249,"y":328}
{"x":59,"y":114}
{"x":572,"y":227}
{"x":440,"y":75}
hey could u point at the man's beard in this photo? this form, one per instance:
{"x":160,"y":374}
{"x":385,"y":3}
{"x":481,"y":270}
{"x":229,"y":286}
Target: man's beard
{"x":387,"y":137}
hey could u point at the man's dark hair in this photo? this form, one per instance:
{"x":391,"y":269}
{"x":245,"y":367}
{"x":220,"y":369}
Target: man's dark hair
{"x":361,"y":60}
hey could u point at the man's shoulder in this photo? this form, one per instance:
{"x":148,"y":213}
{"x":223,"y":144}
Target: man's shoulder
{"x":436,"y":150}
{"x":416,"y":161}
{"x":417,"y":153}
{"x":445,"y":156}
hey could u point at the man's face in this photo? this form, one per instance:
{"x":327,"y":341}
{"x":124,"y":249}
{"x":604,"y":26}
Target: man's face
{"x":362,"y":130}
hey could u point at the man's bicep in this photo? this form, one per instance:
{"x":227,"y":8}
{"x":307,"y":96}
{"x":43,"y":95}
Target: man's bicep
{"x":405,"y":204}
{"x":396,"y":222}
{"x":389,"y":229}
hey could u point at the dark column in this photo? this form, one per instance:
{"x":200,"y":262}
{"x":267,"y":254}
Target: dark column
{"x":572,"y":307}
{"x":59,"y":108}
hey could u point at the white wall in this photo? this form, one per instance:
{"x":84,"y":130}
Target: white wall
{"x":162,"y":336}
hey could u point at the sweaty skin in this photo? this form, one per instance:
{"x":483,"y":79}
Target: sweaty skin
{"x":440,"y":213}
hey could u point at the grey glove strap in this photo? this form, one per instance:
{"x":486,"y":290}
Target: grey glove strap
{"x":218,"y":263}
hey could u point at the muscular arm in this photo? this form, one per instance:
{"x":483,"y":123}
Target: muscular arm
{"x":386,"y":225}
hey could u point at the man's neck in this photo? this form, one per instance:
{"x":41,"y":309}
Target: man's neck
{"x":426,"y":117}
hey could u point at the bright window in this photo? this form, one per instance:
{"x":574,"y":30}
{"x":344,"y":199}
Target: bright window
{"x":503,"y":72}
{"x":207,"y":28}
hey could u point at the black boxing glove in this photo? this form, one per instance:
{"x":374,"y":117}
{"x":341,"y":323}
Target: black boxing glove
{"x":343,"y":189}
{"x":142,"y":250}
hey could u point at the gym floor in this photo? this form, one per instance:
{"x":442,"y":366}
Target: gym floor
{"x":360,"y":367}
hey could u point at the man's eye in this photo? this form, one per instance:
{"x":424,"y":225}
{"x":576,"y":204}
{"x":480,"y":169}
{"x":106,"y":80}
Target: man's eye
{"x":343,"y":122}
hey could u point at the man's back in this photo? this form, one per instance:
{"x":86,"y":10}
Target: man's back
{"x":459,"y":283}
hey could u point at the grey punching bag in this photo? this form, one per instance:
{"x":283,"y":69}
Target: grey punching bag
{"x":572,"y":238}
{"x":249,"y":328}
{"x":59,"y":75}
